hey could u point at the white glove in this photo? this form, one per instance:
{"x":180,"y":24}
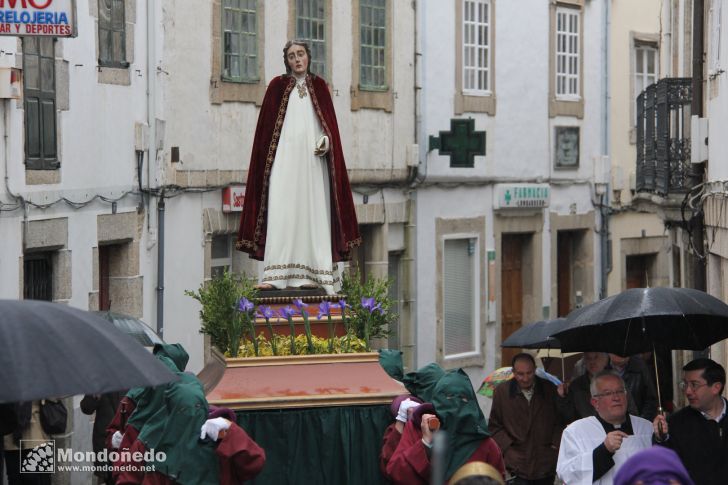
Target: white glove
{"x":212,"y":428}
{"x":116,"y":440}
{"x":402,"y":414}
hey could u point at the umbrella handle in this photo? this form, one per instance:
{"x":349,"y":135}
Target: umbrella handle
{"x":660,"y":431}
{"x":657,"y":378}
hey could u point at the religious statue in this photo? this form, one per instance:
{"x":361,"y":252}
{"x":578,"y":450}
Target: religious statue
{"x":298,"y":215}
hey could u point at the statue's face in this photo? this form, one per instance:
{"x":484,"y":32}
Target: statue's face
{"x":297,"y":59}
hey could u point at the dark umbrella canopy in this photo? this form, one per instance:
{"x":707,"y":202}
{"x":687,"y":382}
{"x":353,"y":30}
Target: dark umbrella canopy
{"x":52,"y":350}
{"x":636,"y":319}
{"x":535,"y":336}
{"x":133,"y":327}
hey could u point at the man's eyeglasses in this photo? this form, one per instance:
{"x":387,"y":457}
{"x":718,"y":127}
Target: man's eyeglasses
{"x":693,"y":385}
{"x":618,"y":393}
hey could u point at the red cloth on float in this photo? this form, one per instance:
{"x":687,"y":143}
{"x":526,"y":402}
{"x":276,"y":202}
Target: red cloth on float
{"x":253,"y":221}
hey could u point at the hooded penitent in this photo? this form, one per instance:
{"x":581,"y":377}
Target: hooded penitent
{"x":175,"y":431}
{"x":150,"y":399}
{"x":421,"y":382}
{"x":461,"y":418}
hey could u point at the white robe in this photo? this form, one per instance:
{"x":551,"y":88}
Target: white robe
{"x":298,"y":241}
{"x":575,"y":466}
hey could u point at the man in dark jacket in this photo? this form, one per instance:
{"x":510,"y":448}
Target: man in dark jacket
{"x":699,"y":431}
{"x":526,"y":424}
{"x":640,"y":390}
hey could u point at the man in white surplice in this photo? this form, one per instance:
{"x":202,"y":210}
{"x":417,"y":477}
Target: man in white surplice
{"x":298,"y":250}
{"x":592,"y":449}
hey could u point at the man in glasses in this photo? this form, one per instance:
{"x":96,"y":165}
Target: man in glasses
{"x":699,"y":431}
{"x":593,"y":448}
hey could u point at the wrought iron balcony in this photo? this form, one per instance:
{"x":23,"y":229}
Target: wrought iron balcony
{"x":663,"y":136}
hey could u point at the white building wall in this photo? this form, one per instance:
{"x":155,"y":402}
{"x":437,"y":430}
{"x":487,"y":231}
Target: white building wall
{"x":519,"y":146}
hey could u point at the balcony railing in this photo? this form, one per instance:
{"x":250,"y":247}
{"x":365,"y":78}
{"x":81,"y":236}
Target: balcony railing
{"x":663,"y":136}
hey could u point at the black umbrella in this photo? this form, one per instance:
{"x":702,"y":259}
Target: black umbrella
{"x":638,"y":319}
{"x":535,"y":335}
{"x":52,"y":350}
{"x":133,"y":327}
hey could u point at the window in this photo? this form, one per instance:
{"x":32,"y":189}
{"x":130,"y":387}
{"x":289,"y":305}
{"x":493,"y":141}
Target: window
{"x":371,"y":64}
{"x":38,"y":276}
{"x":476,"y":46}
{"x":39,"y":85}
{"x":112,"y":34}
{"x":645,"y":67}
{"x":459,"y":297}
{"x":311,"y":27}
{"x":567,"y":53}
{"x":474,"y":57}
{"x":373,"y":42}
{"x":221,"y":260}
{"x":240,"y":41}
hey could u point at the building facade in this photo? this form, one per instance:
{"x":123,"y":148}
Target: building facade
{"x":123,"y":137}
{"x":511,"y":143}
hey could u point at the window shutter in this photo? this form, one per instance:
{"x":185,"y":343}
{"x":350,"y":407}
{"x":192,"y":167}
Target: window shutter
{"x":459,"y":296}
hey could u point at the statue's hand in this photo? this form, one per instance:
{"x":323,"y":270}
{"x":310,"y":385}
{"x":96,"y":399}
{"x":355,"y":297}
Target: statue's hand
{"x":322,"y":146}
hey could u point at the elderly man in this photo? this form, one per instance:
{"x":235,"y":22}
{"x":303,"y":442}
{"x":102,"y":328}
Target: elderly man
{"x":594,"y":448}
{"x":699,"y":431}
{"x":526,"y":424}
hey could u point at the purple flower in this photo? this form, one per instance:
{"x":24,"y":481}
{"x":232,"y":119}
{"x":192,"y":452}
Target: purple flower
{"x":299,"y":304}
{"x":324,"y":309}
{"x":266,"y":312}
{"x":343,"y":305}
{"x":371,"y":305}
{"x":245,"y":305}
{"x":287,"y":312}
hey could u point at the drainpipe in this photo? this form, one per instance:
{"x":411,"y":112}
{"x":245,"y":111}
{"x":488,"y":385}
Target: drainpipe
{"x":152,"y":157}
{"x":160,"y":266}
{"x":604,"y":199}
{"x":696,"y":172}
{"x":410,"y":233}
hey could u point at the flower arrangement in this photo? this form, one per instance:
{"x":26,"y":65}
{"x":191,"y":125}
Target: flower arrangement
{"x":229,"y":312}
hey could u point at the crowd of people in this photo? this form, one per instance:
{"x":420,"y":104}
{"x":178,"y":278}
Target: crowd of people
{"x":601,"y":428}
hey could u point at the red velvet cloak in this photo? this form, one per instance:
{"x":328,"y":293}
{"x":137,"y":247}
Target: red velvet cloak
{"x":254,"y":220}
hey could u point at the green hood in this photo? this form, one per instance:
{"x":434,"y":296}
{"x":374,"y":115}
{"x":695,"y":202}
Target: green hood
{"x":150,"y":399}
{"x":391,"y":362}
{"x":175,"y":430}
{"x":421,"y":382}
{"x":461,"y":417}
{"x":175,"y":352}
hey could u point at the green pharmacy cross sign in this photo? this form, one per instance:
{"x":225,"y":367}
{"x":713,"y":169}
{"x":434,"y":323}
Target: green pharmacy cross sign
{"x":461,"y":143}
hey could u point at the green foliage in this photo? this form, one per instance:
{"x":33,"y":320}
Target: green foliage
{"x":219,"y":299}
{"x":374,"y":287}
